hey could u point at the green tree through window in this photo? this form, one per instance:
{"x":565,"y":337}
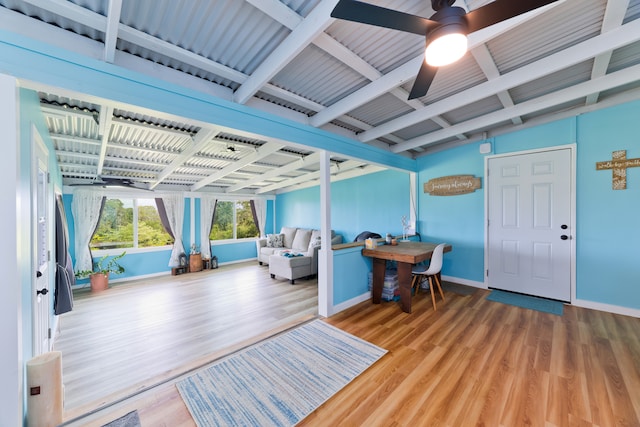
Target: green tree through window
{"x":123,"y":219}
{"x":233,"y":216}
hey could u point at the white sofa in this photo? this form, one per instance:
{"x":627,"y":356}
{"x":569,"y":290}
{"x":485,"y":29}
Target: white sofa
{"x":293,"y":253}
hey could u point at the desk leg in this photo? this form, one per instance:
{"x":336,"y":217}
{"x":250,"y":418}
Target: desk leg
{"x":379,"y":267}
{"x":404,"y":280}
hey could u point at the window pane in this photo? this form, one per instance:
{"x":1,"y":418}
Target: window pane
{"x":150,"y":230}
{"x":115,"y":229}
{"x":246,"y":227}
{"x":222,"y":222}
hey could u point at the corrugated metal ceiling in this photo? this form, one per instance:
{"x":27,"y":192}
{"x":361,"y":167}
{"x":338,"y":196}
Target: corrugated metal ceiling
{"x":349,"y":78}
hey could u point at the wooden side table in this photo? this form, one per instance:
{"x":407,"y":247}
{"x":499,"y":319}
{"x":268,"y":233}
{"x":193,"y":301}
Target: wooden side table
{"x":195,"y":262}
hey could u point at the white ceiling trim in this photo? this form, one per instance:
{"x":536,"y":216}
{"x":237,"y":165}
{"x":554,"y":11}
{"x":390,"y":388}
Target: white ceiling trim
{"x":600,"y":84}
{"x":408,"y":71}
{"x":203,"y":136}
{"x":111,"y":34}
{"x":306,"y":161}
{"x":105,"y":119}
{"x":614,"y":39}
{"x":613,"y":17}
{"x":317,"y":21}
{"x":263,"y":151}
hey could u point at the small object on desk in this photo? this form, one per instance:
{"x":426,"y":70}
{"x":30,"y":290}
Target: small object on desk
{"x":369,"y":243}
{"x":394,"y":242}
{"x":389,"y":238}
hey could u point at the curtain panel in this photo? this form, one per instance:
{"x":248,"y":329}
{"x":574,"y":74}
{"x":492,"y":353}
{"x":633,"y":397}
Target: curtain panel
{"x":259,"y":211}
{"x":207,"y":210}
{"x":86,"y":207}
{"x":174,"y":208}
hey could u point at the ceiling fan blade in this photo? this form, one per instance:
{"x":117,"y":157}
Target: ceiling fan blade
{"x":423,"y":81}
{"x":501,"y":10}
{"x":365,"y":13}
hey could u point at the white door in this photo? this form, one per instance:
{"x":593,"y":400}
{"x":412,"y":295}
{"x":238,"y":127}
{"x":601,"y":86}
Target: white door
{"x":529,"y":223}
{"x":41,"y":227}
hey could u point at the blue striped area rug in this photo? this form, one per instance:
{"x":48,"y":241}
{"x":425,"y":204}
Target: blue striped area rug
{"x":527,"y":301}
{"x":278,"y":381}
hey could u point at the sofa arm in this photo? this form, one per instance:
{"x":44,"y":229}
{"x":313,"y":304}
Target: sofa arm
{"x":260,"y":243}
{"x":313,"y":253}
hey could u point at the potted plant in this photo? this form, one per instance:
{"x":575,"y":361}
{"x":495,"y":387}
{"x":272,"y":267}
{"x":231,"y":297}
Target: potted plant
{"x":99,"y":276}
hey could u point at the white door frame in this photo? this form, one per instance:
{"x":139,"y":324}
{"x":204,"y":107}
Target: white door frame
{"x":41,"y":305}
{"x":573,"y":149}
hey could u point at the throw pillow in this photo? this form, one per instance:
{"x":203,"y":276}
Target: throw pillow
{"x":275,"y":240}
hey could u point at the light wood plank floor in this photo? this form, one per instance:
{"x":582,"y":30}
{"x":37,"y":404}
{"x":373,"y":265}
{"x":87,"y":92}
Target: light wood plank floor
{"x":139,"y":333}
{"x":472,"y":362}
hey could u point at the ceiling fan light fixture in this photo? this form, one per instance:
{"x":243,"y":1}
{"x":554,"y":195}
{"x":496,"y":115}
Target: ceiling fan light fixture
{"x":446,"y":46}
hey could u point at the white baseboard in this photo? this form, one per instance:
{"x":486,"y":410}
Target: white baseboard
{"x":466,"y":282}
{"x":239,"y":261}
{"x":350,"y":303}
{"x":616,"y":309}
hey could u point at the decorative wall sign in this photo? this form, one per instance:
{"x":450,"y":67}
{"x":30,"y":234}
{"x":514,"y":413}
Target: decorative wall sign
{"x":618,"y":164}
{"x":452,"y":185}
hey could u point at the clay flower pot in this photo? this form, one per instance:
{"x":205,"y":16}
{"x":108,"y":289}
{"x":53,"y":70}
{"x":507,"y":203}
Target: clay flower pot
{"x":99,"y":282}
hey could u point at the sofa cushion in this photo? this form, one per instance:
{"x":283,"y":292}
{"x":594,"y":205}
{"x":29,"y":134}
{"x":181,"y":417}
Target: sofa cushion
{"x":296,"y":261}
{"x":301,"y":241}
{"x":289,"y":234}
{"x":275,"y":240}
{"x":315,"y":239}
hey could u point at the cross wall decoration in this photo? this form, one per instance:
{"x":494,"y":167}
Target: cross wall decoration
{"x":618,"y":164}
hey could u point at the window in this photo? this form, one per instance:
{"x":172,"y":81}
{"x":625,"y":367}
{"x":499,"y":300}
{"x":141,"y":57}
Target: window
{"x":130,"y":223}
{"x":233,"y":220}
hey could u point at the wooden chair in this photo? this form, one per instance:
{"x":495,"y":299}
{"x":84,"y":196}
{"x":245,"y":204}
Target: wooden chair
{"x":422,"y":273}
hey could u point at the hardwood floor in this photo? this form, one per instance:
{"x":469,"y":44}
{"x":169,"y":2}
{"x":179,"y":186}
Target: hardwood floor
{"x":472,"y":362}
{"x":137,"y":334}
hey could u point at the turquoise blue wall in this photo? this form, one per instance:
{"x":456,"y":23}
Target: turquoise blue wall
{"x":607,"y":228}
{"x":457,"y":220}
{"x":269,"y":228}
{"x":603,"y":217}
{"x":350,"y":274}
{"x":374,"y":202}
{"x":300,"y":208}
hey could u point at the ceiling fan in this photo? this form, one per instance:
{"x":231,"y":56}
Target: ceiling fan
{"x":445,"y":31}
{"x":104,"y":182}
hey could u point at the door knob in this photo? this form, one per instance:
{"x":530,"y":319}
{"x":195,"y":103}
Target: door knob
{"x":564,"y":226}
{"x":564,"y":237}
{"x":42,"y":291}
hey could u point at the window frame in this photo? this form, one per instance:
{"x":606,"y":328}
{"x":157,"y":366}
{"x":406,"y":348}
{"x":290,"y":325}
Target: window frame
{"x":135,"y":249}
{"x":235,"y":239}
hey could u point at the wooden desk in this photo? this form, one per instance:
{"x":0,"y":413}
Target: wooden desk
{"x":406,"y":254}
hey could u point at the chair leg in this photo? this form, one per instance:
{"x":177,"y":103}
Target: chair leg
{"x":433,"y":296}
{"x":439,"y":287}
{"x":415,"y":283}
